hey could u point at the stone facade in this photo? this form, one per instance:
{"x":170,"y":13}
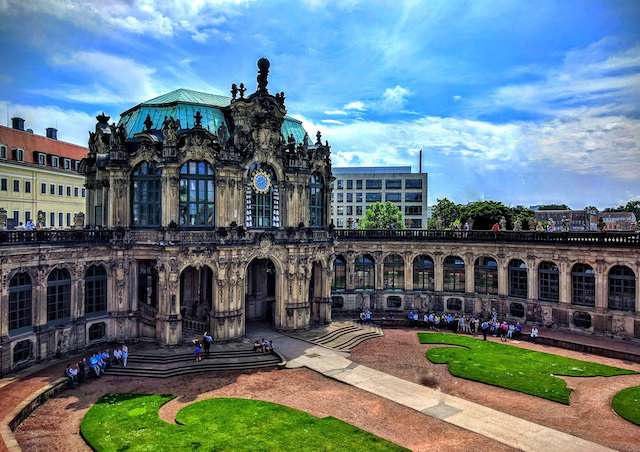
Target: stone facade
{"x":602,"y":317}
{"x":227,"y":198}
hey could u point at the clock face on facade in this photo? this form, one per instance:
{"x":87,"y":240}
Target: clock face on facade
{"x":261,"y":181}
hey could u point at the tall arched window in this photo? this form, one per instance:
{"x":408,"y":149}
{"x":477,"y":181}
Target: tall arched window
{"x":517,"y":279}
{"x":622,"y":288}
{"x":393,"y":272}
{"x":365,"y":272}
{"x":453,"y":275}
{"x":316,"y":200}
{"x":20,"y":315}
{"x":95,"y":290}
{"x":548,"y":281}
{"x":339,"y":274}
{"x":146,"y":195}
{"x":197,"y":194}
{"x":583,"y":285}
{"x":486,"y":275}
{"x":423,"y":278}
{"x":58,"y":295}
{"x":262,"y":198}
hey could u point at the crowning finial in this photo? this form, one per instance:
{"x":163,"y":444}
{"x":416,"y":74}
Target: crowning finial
{"x":234,"y":91}
{"x":242,"y":90}
{"x":198,"y":118}
{"x":319,"y":138}
{"x":263,"y":73}
{"x":102,"y":118}
{"x":148,"y":123}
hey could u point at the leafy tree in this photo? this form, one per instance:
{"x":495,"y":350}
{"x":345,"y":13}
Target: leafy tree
{"x":554,"y":207}
{"x":382,"y":215}
{"x":633,"y":206}
{"x":485,"y":213}
{"x":444,"y":213}
{"x":526,"y":216}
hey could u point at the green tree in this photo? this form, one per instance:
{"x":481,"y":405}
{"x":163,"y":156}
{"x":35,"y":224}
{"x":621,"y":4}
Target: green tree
{"x":633,"y":206}
{"x":485,"y":213}
{"x":523,"y":214}
{"x":444,"y":214}
{"x":382,"y":215}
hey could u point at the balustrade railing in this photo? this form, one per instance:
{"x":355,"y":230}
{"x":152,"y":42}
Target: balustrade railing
{"x":614,"y":239}
{"x":238,"y":236}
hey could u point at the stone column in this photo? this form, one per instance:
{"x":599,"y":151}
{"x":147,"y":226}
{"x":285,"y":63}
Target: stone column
{"x":565,"y":282}
{"x":532,"y":278}
{"x":601,"y":286}
{"x":39,"y":301}
{"x":637,"y":272}
{"x":408,"y":271}
{"x":469,"y":273}
{"x":379,"y":266}
{"x":351,"y":270}
{"x":503,"y":276}
{"x":170,"y":194}
{"x":168,"y":319}
{"x":438,"y":271}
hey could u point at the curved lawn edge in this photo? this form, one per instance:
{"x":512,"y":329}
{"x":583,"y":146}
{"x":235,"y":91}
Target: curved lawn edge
{"x":532,"y":376}
{"x":132,"y":422}
{"x":626,"y":403}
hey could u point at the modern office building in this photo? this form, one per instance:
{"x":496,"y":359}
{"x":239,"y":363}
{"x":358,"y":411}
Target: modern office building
{"x":39,"y":174}
{"x":355,"y":188}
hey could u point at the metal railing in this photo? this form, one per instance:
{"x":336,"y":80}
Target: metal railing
{"x":56,"y":236}
{"x":612,"y":239}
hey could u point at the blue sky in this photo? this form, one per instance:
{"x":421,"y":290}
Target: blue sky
{"x":523,"y":102}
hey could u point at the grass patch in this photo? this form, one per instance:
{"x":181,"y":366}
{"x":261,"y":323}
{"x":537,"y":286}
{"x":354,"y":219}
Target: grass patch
{"x":627,"y":404}
{"x":119,"y":422}
{"x":511,"y":367}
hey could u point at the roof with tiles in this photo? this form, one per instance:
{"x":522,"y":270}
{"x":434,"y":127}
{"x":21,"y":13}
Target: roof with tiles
{"x":30,"y":143}
{"x":183,"y":104}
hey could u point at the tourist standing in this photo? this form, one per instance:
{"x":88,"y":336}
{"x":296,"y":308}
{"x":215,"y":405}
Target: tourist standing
{"x":207,"y":340}
{"x":197,"y":351}
{"x":82,"y":368}
{"x":485,"y":329}
{"x":534,"y":334}
{"x":125,"y":354}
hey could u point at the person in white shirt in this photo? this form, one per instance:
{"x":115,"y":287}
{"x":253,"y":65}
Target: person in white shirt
{"x":534,"y":334}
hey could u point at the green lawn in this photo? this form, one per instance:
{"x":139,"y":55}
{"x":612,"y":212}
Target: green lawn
{"x":119,"y":422}
{"x":511,"y":367}
{"x":627,"y":404}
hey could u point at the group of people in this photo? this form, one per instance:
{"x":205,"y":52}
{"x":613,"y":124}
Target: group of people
{"x":471,"y":325}
{"x":98,"y":363}
{"x":263,"y":345}
{"x":29,"y":226}
{"x":366,"y":316}
{"x":202,"y":347}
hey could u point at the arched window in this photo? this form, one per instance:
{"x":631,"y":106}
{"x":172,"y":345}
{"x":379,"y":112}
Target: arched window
{"x":146,"y":195}
{"x":423,"y":278}
{"x":95,"y":290}
{"x":262,"y":198}
{"x":339,"y":274}
{"x":58,"y":295}
{"x":548,"y":281}
{"x":517,"y":279}
{"x":197,"y":194}
{"x":622,"y":288}
{"x":453,"y":275}
{"x":365,"y":272}
{"x":583,"y":285}
{"x":393,"y":272}
{"x":316,"y":201}
{"x":486,"y":275}
{"x":20,"y":315}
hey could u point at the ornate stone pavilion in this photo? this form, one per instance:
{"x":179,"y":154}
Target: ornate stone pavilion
{"x":204,"y":213}
{"x":208,"y":213}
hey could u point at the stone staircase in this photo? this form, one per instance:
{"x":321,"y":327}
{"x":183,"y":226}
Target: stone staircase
{"x":183,"y":363}
{"x":341,"y":336}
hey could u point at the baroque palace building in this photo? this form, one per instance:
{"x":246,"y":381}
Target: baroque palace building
{"x":207,"y":213}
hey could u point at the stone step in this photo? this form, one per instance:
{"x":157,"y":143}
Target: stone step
{"x":357,"y":340}
{"x":335,"y":334}
{"x":192,"y":369}
{"x":189,"y":355}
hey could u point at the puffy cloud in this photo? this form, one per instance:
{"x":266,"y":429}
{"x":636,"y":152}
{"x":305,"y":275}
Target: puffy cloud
{"x":73,"y":126}
{"x":154,"y":17}
{"x":356,"y":105}
{"x":394,"y":99}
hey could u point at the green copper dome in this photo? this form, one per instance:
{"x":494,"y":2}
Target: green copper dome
{"x":183,"y":104}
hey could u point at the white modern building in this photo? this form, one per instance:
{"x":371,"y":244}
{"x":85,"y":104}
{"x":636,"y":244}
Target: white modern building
{"x":356,"y":187}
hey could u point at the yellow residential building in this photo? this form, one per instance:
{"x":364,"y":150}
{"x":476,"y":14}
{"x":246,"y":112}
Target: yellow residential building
{"x":39,"y":174}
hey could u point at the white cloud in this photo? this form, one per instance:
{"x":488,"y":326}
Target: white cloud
{"x":111,"y":79}
{"x":331,"y":121}
{"x":456,"y":98}
{"x":155,"y":17}
{"x":394,"y":99}
{"x":73,"y":126}
{"x":355,"y":105}
{"x":335,"y":112}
